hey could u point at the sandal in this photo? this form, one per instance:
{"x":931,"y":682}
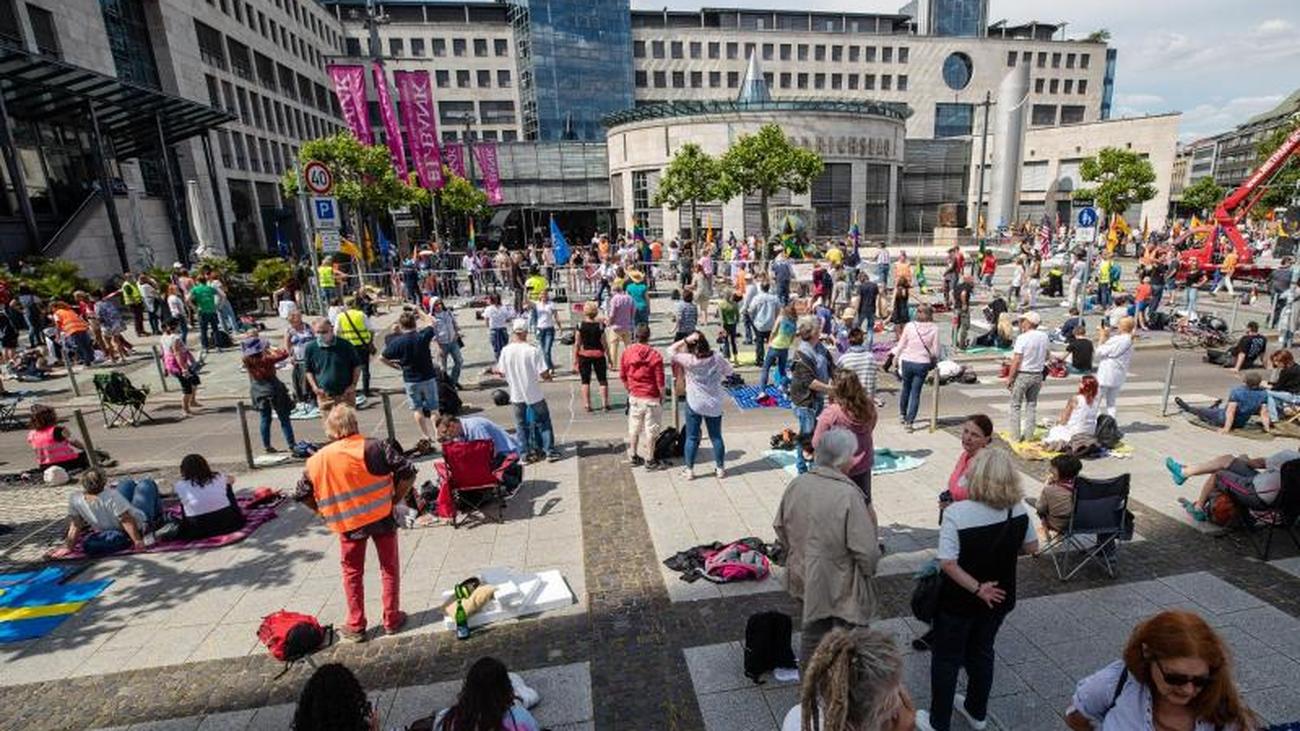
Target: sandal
{"x":1197,"y":513}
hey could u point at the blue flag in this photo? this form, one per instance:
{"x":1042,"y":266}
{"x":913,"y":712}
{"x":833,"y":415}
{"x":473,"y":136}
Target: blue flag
{"x":281,"y":243}
{"x":384,"y":246}
{"x":559,"y":243}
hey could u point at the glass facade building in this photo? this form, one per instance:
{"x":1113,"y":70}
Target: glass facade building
{"x":958,"y":17}
{"x":128,"y":40}
{"x":576,"y":65}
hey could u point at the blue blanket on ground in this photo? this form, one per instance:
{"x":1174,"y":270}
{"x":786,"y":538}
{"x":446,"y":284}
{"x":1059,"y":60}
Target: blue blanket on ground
{"x":746,"y":397}
{"x":886,"y":461}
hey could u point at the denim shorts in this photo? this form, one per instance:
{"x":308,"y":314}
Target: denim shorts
{"x":422,"y":396}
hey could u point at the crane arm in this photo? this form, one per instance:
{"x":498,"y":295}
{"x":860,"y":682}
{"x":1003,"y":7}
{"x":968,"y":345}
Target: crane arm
{"x":1234,"y":207}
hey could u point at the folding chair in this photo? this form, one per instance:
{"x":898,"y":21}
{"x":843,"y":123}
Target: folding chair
{"x":120,"y":401}
{"x":1281,"y":514}
{"x":9,"y":404}
{"x":1100,"y":507}
{"x":470,"y":481}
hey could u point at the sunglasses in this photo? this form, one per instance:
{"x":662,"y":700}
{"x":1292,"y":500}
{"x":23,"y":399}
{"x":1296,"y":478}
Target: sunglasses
{"x":1179,"y":679}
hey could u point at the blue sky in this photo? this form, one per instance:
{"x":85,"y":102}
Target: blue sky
{"x":1217,"y":61}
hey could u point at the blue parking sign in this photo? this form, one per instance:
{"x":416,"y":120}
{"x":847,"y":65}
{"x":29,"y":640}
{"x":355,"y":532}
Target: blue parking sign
{"x":325,"y":212}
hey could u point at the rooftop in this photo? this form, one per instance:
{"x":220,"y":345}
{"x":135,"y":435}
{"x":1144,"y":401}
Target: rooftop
{"x":668,"y":110}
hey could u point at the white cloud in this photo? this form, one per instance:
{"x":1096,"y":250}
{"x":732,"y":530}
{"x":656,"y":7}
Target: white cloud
{"x":1212,"y":118}
{"x":1139,"y":100}
{"x":1274,"y":26}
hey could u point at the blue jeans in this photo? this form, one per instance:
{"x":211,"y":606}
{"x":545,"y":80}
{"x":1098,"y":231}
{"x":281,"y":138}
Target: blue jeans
{"x":1193,"y":294}
{"x":641,"y":316}
{"x":909,"y":396}
{"x":1276,"y":399}
{"x":226,"y":313}
{"x":1157,"y":294}
{"x":1103,"y":294}
{"x":83,"y":346}
{"x":499,"y":339}
{"x":546,"y":339}
{"x":143,"y":496}
{"x":452,"y":350}
{"x":962,"y":642}
{"x":281,"y":411}
{"x":807,"y":416}
{"x":714,"y":425}
{"x":208,"y":321}
{"x":779,"y":356}
{"x":533,"y":427}
{"x":882,"y":276}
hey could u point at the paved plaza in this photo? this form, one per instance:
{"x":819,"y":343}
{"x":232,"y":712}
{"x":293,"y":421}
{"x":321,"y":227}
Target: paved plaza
{"x":171,"y":643}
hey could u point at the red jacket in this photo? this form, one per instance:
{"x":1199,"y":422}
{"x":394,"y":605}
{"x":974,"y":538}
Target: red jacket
{"x":642,"y":371}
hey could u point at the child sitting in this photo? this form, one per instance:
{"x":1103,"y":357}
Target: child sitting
{"x":1056,"y":502}
{"x":51,"y":442}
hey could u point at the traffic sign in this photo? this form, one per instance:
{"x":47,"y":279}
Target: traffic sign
{"x":318,"y":178}
{"x":325,"y":212}
{"x":329,"y":241}
{"x":1088,"y":217}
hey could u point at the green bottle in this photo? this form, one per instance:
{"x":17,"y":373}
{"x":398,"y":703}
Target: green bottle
{"x":462,"y":621}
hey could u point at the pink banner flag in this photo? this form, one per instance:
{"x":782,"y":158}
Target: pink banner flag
{"x":416,"y":97}
{"x":454,"y":156}
{"x":393,"y":132}
{"x":350,"y":87}
{"x":485,"y":158}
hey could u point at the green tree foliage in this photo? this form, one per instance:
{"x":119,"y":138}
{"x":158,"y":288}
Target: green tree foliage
{"x":459,"y":196}
{"x":1285,"y":186}
{"x":364,"y":179}
{"x":1121,"y":178}
{"x":692,"y":176}
{"x":56,"y":278}
{"x":1100,"y":35}
{"x":764,"y":163}
{"x":1203,"y":195}
{"x":271,"y":274}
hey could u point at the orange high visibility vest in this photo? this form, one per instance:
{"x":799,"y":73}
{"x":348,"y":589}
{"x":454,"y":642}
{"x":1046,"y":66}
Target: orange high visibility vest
{"x":348,"y":496}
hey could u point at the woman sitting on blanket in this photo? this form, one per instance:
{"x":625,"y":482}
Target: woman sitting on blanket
{"x":208,"y":505}
{"x":1078,"y":417}
{"x":51,"y":442}
{"x":111,"y":520}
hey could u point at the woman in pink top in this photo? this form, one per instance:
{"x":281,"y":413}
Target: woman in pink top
{"x":917,"y":352}
{"x":852,"y":409}
{"x":976,"y":433}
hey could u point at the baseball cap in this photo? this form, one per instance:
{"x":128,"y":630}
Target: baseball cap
{"x":1032,"y":317}
{"x":520,"y":325}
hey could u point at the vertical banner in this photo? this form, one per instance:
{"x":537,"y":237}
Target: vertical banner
{"x":485,"y":158}
{"x":394,"y":133}
{"x":416,"y":97}
{"x":454,"y":156}
{"x":350,"y":87}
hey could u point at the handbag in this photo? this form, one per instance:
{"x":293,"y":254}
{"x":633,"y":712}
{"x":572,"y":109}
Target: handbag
{"x":925,"y":593}
{"x":934,"y":361}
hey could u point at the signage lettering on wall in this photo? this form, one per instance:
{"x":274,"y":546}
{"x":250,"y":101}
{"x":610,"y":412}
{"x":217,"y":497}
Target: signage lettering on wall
{"x":845,"y":144}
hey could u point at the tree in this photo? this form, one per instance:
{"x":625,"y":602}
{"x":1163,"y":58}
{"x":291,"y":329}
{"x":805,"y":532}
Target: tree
{"x":691,"y":177}
{"x":1100,"y":35}
{"x":1122,"y":178}
{"x":458,"y":195}
{"x":1285,"y":185}
{"x":1203,"y":195}
{"x":764,"y":163}
{"x":364,"y":179}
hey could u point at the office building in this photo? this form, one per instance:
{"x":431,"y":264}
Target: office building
{"x":1236,"y":152}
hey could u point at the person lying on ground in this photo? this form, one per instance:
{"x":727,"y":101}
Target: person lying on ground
{"x":1244,"y":401}
{"x":208,"y":505}
{"x":1252,"y":482}
{"x":1056,"y":501}
{"x":52,"y":443}
{"x":111,"y":519}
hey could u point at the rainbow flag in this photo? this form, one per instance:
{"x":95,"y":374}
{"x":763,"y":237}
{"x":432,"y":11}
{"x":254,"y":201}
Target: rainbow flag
{"x":472,"y":241}
{"x":854,"y":232}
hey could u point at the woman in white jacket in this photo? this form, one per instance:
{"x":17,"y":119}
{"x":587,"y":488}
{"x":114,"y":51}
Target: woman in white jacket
{"x":1114,"y":352}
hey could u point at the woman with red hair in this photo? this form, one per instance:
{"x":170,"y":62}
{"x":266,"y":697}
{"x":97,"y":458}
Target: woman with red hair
{"x":1079,"y":415}
{"x":1175,"y":674}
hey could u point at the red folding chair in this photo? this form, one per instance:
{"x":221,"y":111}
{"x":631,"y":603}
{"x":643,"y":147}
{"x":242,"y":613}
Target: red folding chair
{"x":468,"y":480}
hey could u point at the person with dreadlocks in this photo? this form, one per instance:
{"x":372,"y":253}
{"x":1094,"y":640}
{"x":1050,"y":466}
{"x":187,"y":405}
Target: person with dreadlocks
{"x":854,"y":682}
{"x":489,"y":701}
{"x":333,"y":700}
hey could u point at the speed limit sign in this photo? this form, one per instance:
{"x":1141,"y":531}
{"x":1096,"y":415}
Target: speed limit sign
{"x":318,"y":178}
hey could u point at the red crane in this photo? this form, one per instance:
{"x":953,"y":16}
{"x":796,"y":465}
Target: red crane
{"x":1232,"y":209}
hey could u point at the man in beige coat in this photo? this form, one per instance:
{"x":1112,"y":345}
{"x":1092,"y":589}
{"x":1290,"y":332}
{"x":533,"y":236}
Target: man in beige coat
{"x":831,"y":538}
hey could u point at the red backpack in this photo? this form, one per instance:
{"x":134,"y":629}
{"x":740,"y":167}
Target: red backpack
{"x":291,"y":636}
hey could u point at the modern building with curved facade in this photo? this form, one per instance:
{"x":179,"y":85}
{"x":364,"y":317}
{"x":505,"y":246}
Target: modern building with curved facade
{"x":860,"y":142}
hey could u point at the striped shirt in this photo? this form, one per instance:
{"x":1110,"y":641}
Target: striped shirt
{"x":860,"y":360}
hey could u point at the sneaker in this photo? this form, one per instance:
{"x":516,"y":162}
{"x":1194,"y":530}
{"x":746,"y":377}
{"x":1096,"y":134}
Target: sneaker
{"x":687,"y":473}
{"x":554,"y":457}
{"x":959,"y":704}
{"x":351,"y":635}
{"x":654,"y":465}
{"x":636,"y":461}
{"x":1175,"y":471}
{"x":719,"y":473}
{"x":271,"y":450}
{"x":396,"y":626}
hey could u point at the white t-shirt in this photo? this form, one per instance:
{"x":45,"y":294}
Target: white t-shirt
{"x":545,"y":314}
{"x":966,"y":514}
{"x":1269,"y":482}
{"x":522,"y":364}
{"x":199,"y":500}
{"x":1032,"y":346}
{"x":498,"y":316}
{"x":101,"y":512}
{"x":176,"y":305}
{"x":148,"y":293}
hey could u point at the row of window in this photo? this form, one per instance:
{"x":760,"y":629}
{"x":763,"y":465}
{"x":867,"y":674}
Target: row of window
{"x":455,"y":114}
{"x":436,"y":47}
{"x":787,"y":80}
{"x":279,"y":33}
{"x":254,"y":154}
{"x":1084,"y":59}
{"x":1060,"y":86}
{"x":770,"y":51}
{"x":265,"y":113}
{"x":957,"y":119}
{"x":1044,"y":115}
{"x":230,"y":54}
{"x":481,"y":79}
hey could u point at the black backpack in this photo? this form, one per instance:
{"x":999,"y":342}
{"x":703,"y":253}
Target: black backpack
{"x":448,"y":398}
{"x":669,"y":444}
{"x":1108,"y":433}
{"x":223,"y":339}
{"x":767,"y":644}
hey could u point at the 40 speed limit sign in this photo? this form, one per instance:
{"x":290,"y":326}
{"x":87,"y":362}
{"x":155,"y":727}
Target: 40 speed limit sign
{"x":318,"y":178}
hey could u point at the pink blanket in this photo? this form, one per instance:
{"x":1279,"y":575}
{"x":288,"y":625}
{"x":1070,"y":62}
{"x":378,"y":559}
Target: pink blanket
{"x":254,"y":518}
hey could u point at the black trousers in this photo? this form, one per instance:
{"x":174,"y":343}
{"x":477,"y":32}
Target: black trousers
{"x":962,"y":642}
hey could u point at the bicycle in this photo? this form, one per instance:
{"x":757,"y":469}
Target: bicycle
{"x":1187,"y":335}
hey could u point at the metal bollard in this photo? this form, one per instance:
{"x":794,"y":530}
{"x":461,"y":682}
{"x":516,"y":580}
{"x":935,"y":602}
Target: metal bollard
{"x":240,"y":411}
{"x":91,"y":455}
{"x":72,"y":378}
{"x":672,"y":393}
{"x":934,"y":403}
{"x":1169,"y":381}
{"x":162,"y":375}
{"x":1236,"y":302}
{"x":386,"y":399}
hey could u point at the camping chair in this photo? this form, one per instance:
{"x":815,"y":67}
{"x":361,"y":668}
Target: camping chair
{"x":9,"y":403}
{"x":1100,"y":514}
{"x":120,"y":401}
{"x":1280,"y":515}
{"x":466,"y":472}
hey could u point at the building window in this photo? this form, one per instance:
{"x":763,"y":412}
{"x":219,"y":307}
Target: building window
{"x":1054,"y":86}
{"x":733,"y":51}
{"x":819,"y":53}
{"x":697,"y":49}
{"x":715,"y":50}
{"x":1056,"y":60}
{"x":458,"y":46}
{"x":1068,"y":87}
{"x":887,"y":54}
{"x":697,"y":79}
{"x":768,"y":51}
{"x":1071,"y":114}
{"x":957,"y":70}
{"x":657,"y":49}
{"x":1011,"y":59}
{"x":1083,"y":86}
{"x":395,"y":46}
{"x":679,"y":79}
{"x":456,"y":113}
{"x":853,"y":81}
{"x":497,"y":112}
{"x":885,"y":82}
{"x":749,"y":49}
{"x":819,"y":81}
{"x":802,"y":81}
{"x":675,"y":49}
{"x":638,"y":49}
{"x":1084,"y":58}
{"x":480,"y":47}
{"x":439,"y":47}
{"x":1039,"y":84}
{"x":417,"y":47}
{"x":803,"y":51}
{"x":869,"y":54}
{"x":854,"y":53}
{"x":1042,"y":59}
{"x":953,"y":120}
{"x":43,"y":31}
{"x":785,"y":51}
{"x":211,"y":50}
{"x":837,"y":81}
{"x":903,"y":54}
{"x":462,"y":78}
{"x":484,"y":79}
{"x":715,"y":79}
{"x":1043,"y":115}
{"x":641,"y":79}
{"x":442,"y":77}
{"x":503,"y":79}
{"x":831,"y":196}
{"x":661,"y":79}
{"x":509,"y":135}
{"x":352,"y":47}
{"x":868,"y":82}
{"x":785,"y":79}
{"x":733,"y":79}
{"x":837,"y":54}
{"x":1069,"y":60}
{"x":902,"y":82}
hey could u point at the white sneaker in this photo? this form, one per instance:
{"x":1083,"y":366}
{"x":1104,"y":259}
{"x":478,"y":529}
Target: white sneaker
{"x":719,"y":473}
{"x":959,"y":705}
{"x":688,"y":473}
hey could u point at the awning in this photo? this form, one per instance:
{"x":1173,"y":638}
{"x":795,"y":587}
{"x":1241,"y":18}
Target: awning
{"x":40,"y":87}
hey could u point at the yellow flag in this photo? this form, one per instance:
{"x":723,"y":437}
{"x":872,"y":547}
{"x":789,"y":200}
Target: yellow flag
{"x":1196,"y":222}
{"x":980,"y":228}
{"x":349,"y":247}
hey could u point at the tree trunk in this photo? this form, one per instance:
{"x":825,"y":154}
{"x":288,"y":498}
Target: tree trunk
{"x":695,"y":234}
{"x":766,"y":224}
